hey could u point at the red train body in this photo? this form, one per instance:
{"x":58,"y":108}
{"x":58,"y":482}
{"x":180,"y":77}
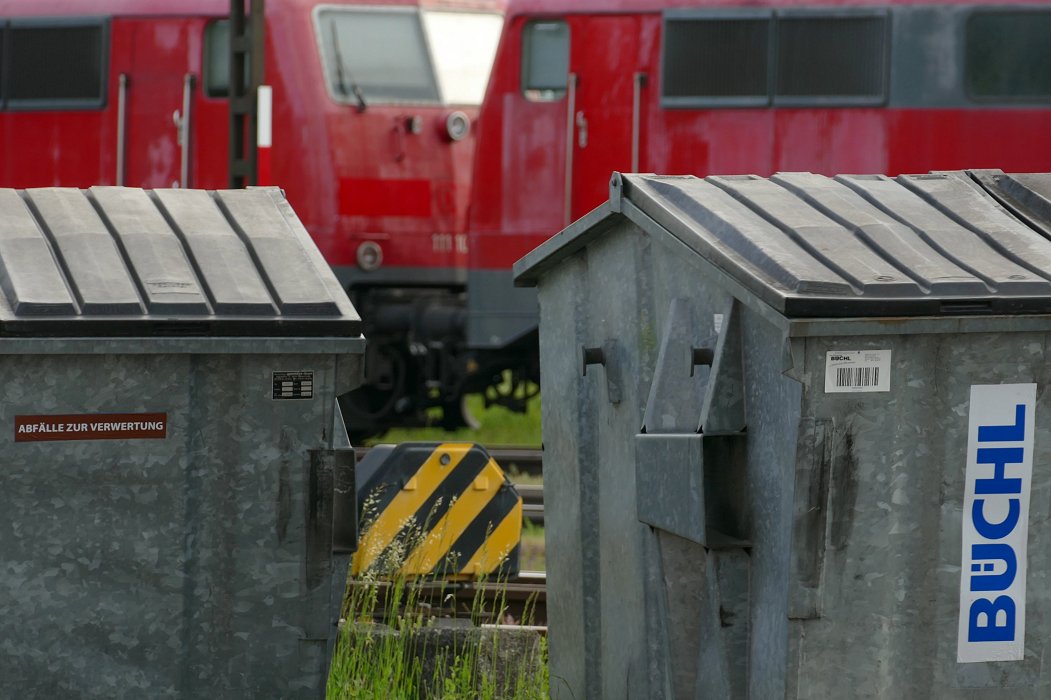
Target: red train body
{"x":422,"y":221}
{"x":721,"y":87}
{"x":373,"y":108}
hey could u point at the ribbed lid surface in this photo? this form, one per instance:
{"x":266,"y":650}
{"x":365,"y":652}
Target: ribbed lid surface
{"x":868,"y":245}
{"x":126,"y":261}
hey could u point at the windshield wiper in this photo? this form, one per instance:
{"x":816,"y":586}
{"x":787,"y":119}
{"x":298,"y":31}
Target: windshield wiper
{"x":342,"y":74}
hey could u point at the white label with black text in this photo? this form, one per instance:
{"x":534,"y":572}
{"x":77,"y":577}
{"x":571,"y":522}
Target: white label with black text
{"x":857,"y":370}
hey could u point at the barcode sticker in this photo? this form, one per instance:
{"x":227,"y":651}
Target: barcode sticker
{"x":857,"y":371}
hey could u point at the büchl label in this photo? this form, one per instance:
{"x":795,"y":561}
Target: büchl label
{"x":857,"y":371}
{"x":998,"y":480}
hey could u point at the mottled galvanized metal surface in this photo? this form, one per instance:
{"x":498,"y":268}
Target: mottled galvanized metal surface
{"x":197,"y":565}
{"x":197,"y":346}
{"x":599,"y":583}
{"x":830,"y":559}
{"x":172,"y":505}
{"x":888,"y":536}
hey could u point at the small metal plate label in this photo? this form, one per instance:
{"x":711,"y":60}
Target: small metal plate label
{"x":294,"y":385}
{"x":999,"y":477}
{"x":849,"y":371}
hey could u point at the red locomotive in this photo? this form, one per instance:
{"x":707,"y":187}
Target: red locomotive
{"x":421,"y":202}
{"x":723,"y":87}
{"x":374,"y":105}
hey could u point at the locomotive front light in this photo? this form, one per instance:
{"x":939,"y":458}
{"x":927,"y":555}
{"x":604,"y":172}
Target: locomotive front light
{"x":370,"y":256}
{"x":457,"y":126}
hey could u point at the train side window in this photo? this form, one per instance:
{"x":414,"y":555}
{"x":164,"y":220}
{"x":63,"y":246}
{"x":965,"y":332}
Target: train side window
{"x":216,"y":62}
{"x":56,"y":64}
{"x":3,"y":37}
{"x":840,"y":59}
{"x":217,"y":58}
{"x":545,"y":60}
{"x":718,"y":60}
{"x":1007,"y":56}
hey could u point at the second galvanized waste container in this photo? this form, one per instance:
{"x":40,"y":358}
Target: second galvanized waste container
{"x":798,"y":438}
{"x":178,"y":503}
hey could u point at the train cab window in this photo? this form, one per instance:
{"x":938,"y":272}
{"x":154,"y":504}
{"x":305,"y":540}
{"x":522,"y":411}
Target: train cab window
{"x":463,"y":46}
{"x":545,"y":60}
{"x":57,"y":64}
{"x":716,"y":60}
{"x":376,"y":55}
{"x":1008,"y":56}
{"x":840,"y":59}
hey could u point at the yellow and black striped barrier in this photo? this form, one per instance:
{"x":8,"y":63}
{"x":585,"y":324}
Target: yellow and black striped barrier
{"x":436,"y":509}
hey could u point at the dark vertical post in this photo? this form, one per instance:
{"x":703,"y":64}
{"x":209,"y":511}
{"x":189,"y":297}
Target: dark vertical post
{"x":246,"y":50}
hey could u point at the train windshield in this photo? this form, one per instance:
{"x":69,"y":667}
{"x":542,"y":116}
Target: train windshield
{"x":398,"y":55}
{"x":463,"y":45}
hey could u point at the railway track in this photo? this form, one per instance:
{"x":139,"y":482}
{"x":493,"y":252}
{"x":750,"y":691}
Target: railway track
{"x":532,"y":502}
{"x":518,"y":600}
{"x":522,"y":598}
{"x":521,"y":460}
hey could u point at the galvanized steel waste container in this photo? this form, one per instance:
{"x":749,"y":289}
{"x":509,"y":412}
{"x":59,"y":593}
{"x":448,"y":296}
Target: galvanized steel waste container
{"x":797,"y":438}
{"x":177,"y":510}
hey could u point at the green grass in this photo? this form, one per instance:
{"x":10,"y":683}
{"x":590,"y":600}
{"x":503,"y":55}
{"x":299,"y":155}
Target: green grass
{"x":531,"y":554}
{"x":407,"y":658}
{"x":392,"y":647}
{"x":499,"y":426}
{"x":518,"y":477}
{"x":374,"y":662}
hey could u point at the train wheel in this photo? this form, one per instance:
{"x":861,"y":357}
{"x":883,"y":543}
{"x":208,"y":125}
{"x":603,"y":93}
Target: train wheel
{"x":457,"y":414}
{"x":378,"y":404}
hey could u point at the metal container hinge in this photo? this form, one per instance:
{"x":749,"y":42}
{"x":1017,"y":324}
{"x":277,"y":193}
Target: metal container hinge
{"x":606,"y":356}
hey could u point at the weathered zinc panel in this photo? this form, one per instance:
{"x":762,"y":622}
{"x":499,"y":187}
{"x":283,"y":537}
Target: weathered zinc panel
{"x":614,"y":325}
{"x":569,"y":509}
{"x":892,"y":503}
{"x":174,"y":567}
{"x":813,"y":546}
{"x":168,"y":495}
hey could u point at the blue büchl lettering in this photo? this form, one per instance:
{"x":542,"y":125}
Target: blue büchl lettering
{"x":995,"y":531}
{"x":1005,"y":433}
{"x":993,"y":553}
{"x":999,"y":457}
{"x":990,"y":610}
{"x":994,"y":565}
